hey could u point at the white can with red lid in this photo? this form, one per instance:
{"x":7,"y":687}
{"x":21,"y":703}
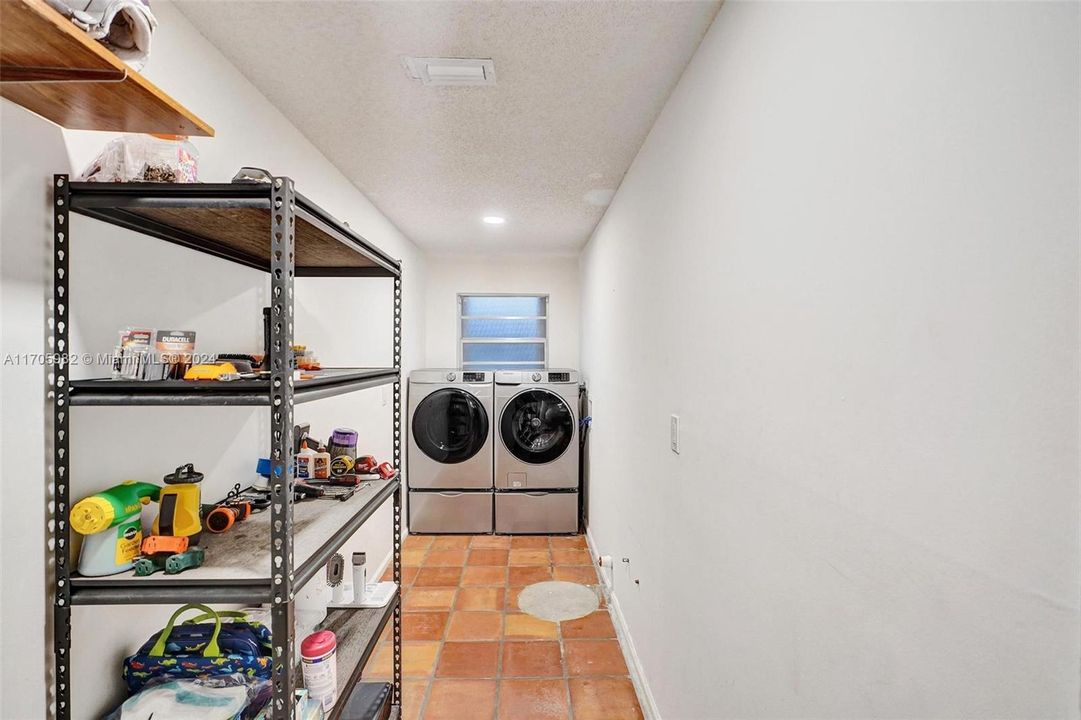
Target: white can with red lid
{"x":319,"y":663}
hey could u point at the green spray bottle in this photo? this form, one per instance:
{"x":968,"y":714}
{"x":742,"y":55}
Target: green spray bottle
{"x":111,"y":522}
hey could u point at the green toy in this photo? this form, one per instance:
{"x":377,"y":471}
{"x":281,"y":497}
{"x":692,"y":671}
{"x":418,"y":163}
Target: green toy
{"x":170,"y":563}
{"x":149,"y":564}
{"x":193,"y":558}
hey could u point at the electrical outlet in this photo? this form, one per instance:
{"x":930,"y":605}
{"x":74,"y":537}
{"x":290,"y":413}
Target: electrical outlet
{"x":675,"y":434}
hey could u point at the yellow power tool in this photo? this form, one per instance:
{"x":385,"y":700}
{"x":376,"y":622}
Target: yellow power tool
{"x":179,"y":505}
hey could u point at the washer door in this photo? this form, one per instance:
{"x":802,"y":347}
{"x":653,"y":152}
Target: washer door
{"x":450,"y":426}
{"x":537,"y":426}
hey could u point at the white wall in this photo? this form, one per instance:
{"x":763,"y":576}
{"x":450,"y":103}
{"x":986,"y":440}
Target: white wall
{"x":851,"y":241}
{"x":452,"y":274}
{"x":119,"y":278}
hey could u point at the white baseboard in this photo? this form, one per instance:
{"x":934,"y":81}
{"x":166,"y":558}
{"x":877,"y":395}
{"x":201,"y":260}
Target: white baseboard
{"x":630,"y":654}
{"x":382,"y":567}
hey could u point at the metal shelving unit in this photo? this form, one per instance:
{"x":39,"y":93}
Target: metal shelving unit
{"x":271,"y":227}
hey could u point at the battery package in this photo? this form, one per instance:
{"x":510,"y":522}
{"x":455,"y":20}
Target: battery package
{"x":147,"y":354}
{"x":132,"y":353}
{"x":174,"y":349}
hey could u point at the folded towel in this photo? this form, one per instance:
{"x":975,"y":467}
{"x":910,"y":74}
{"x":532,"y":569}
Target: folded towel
{"x":123,"y":26}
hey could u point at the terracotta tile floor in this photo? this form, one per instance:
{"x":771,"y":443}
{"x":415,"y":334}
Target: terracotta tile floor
{"x":468,"y":653}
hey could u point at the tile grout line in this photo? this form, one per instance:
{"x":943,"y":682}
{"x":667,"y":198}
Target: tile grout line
{"x":446,"y":634}
{"x":562,"y":651}
{"x":431,"y":680}
{"x":503,"y":634}
{"x":499,"y":649}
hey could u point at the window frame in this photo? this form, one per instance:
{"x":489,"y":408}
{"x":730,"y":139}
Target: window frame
{"x":509,"y":365}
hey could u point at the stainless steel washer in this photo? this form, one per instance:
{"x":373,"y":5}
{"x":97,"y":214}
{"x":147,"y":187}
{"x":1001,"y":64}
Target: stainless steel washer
{"x":449,"y":460}
{"x":536,"y":452}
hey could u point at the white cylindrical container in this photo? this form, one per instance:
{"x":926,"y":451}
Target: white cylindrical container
{"x":360,"y":577}
{"x":319,"y":662}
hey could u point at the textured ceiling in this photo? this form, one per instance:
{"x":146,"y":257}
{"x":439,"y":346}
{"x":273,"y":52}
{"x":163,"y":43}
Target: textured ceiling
{"x":579,"y":85}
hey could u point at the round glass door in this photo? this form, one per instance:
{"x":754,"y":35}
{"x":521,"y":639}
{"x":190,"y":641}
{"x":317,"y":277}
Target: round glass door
{"x":450,"y":426}
{"x":537,"y":426}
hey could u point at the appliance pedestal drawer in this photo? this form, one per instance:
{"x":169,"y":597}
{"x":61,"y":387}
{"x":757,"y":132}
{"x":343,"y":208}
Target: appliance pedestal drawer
{"x":450,"y":511}
{"x":526,"y":513}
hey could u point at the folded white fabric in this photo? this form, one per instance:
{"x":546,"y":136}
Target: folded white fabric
{"x":124,"y":26}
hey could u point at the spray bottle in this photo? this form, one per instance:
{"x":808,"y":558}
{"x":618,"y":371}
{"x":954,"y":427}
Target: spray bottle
{"x":112,"y":526}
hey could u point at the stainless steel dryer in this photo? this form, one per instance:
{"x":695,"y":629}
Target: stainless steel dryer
{"x":536,"y":452}
{"x":449,"y":461}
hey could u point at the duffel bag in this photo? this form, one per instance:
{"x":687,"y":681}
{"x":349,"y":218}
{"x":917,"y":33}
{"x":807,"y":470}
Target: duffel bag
{"x":202,"y":649}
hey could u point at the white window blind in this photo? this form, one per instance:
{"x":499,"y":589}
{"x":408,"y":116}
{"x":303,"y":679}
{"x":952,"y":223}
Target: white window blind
{"x":503,"y":332}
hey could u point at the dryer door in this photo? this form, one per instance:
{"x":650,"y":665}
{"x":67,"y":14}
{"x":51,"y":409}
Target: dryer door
{"x":537,"y":426}
{"x":450,"y":426}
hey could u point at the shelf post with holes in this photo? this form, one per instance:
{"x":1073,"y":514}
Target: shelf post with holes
{"x":58,"y":390}
{"x":282,"y":245}
{"x":397,"y":547}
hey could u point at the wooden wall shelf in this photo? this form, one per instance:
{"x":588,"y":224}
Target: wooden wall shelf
{"x":52,"y":68}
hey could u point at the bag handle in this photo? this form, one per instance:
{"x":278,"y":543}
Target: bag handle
{"x":211,"y":649}
{"x":238,"y":614}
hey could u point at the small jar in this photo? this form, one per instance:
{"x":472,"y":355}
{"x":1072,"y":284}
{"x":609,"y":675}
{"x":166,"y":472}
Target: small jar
{"x":343,"y":441}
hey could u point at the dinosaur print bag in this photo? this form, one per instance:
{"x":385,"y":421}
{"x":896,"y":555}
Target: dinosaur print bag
{"x":202,"y":649}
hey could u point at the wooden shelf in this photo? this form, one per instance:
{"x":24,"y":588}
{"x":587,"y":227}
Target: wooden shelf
{"x":54,"y":69}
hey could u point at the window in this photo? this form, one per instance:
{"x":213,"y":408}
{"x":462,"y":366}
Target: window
{"x":503,"y":332}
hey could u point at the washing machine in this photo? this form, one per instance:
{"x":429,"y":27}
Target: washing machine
{"x":536,"y":451}
{"x":449,"y":457}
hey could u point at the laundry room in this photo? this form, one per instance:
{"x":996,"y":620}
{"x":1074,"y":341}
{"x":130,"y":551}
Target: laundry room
{"x":540,"y":359}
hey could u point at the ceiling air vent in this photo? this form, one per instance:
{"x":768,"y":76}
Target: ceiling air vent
{"x":451,"y":71}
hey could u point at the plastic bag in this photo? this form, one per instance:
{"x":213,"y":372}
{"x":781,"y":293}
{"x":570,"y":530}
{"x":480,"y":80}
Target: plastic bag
{"x":145,"y":158}
{"x":222,"y":697}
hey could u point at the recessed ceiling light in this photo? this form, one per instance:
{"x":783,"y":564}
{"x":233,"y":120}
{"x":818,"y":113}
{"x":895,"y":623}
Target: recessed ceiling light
{"x":494,"y":220}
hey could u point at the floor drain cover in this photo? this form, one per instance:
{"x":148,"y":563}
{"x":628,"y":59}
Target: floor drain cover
{"x":558,"y":601}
